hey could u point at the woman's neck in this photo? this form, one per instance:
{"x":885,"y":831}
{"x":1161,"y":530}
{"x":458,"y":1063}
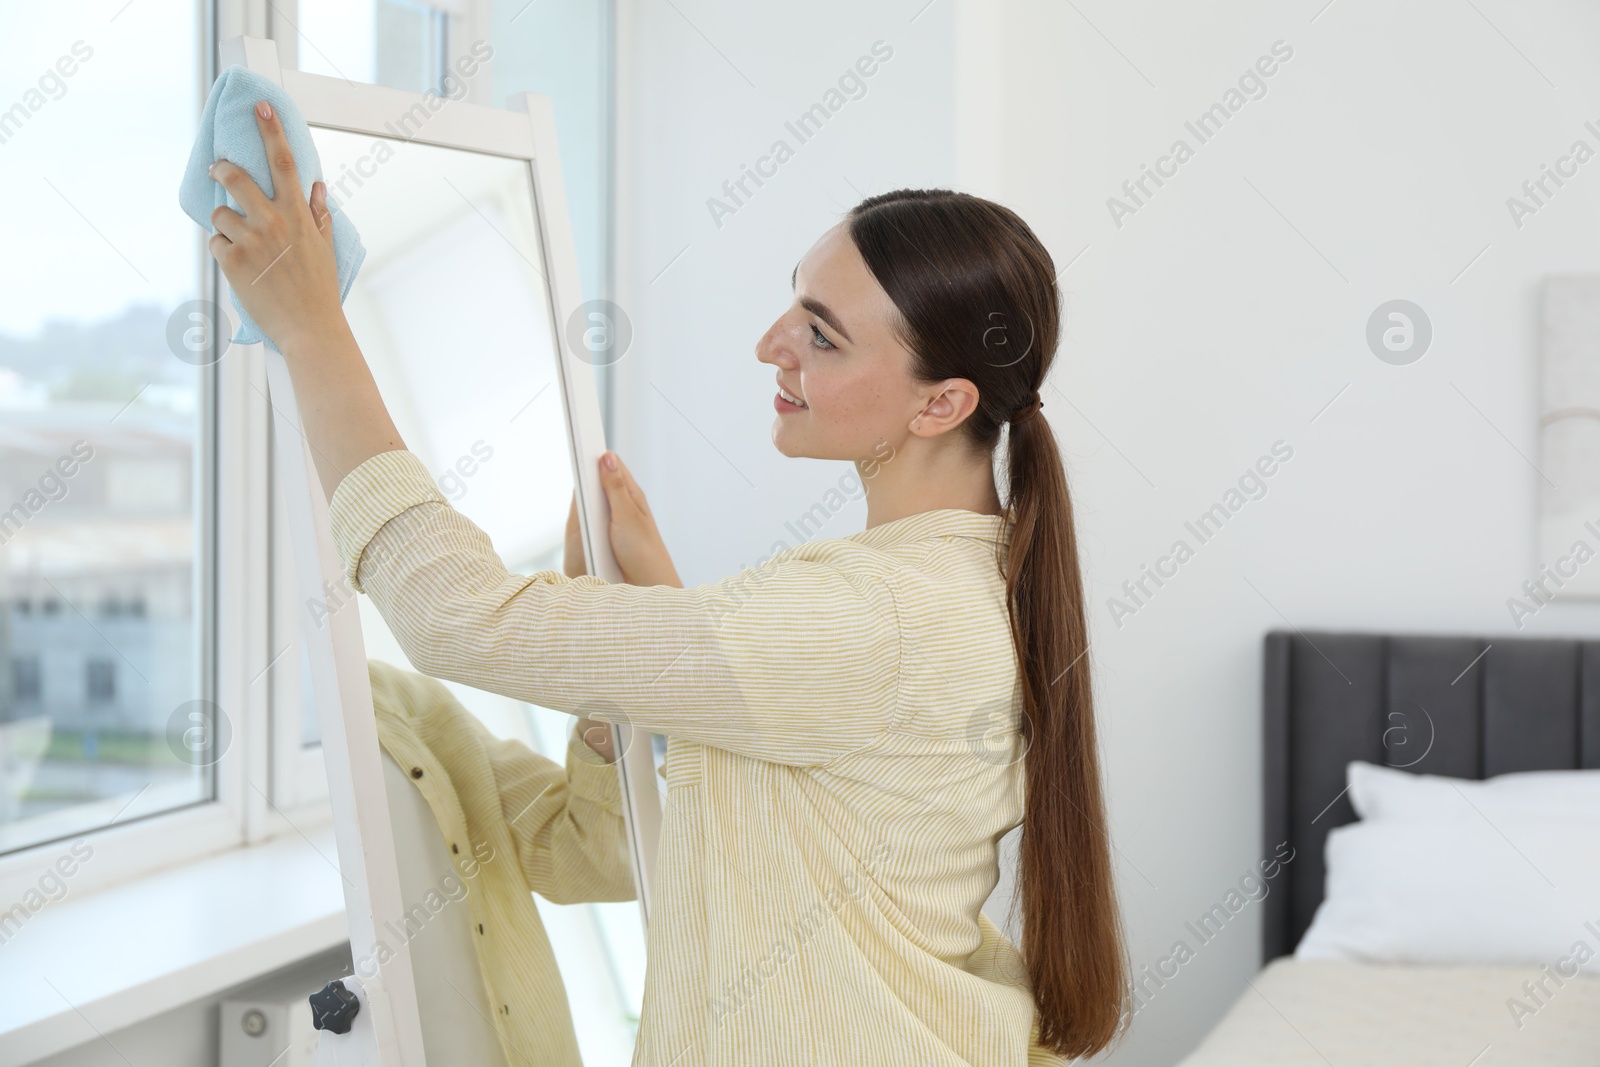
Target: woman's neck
{"x":922,"y":479}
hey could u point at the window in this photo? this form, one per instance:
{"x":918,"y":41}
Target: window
{"x":25,"y":680}
{"x":411,"y":46}
{"x":103,"y":510}
{"x":404,"y":44}
{"x":149,"y":645}
{"x":100,"y":680}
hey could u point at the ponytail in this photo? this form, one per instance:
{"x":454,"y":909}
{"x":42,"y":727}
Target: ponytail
{"x":976,"y":295}
{"x":1071,"y":929}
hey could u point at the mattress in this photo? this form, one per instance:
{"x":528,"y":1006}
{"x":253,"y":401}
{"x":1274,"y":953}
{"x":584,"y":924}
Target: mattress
{"x":1318,"y":1012}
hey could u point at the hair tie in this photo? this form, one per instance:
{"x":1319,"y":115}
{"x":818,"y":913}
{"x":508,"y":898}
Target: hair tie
{"x":1030,"y":411}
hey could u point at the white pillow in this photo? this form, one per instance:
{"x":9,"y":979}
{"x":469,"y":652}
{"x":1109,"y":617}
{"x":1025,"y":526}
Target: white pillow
{"x":1456,"y":891}
{"x":1386,"y":793}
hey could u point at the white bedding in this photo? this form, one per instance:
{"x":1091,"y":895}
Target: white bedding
{"x":1317,"y":1012}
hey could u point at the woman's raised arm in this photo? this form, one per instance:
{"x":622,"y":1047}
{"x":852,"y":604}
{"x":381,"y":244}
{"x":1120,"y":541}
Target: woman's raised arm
{"x":278,"y":258}
{"x":796,"y":661}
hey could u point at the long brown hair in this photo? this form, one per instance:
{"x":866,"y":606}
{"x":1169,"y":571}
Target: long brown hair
{"x":976,"y":297}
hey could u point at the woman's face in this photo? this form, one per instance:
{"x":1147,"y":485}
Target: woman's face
{"x":835,"y":351}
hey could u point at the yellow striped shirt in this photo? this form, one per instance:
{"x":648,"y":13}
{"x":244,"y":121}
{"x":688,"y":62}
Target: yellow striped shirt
{"x":842,"y":763}
{"x":513,"y":821}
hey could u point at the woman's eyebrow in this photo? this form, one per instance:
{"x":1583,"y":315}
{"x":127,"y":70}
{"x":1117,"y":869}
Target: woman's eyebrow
{"x":819,"y":309}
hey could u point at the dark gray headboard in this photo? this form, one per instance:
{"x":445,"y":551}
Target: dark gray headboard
{"x":1469,"y":707}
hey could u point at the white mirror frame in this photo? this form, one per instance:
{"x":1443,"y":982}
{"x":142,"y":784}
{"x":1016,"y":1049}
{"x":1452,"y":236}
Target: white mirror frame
{"x":339,"y":679}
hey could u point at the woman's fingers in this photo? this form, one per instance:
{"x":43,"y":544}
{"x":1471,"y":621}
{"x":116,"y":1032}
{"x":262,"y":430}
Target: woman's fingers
{"x":617,"y":488}
{"x":228,"y":222}
{"x":243,"y":188}
{"x":622,"y":480}
{"x":573,"y":562}
{"x":597,"y":735}
{"x":635,"y":541}
{"x":277,"y":253}
{"x":319,"y":209}
{"x":285,"y":175}
{"x":636,"y":493}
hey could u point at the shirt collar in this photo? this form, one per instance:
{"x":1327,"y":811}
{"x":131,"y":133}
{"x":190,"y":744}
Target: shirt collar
{"x":940,"y":522}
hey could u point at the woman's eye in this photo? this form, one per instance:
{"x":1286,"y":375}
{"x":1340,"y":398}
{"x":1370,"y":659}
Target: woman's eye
{"x":819,"y":340}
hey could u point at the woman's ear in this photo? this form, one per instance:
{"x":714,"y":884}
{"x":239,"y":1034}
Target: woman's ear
{"x":948,"y":405}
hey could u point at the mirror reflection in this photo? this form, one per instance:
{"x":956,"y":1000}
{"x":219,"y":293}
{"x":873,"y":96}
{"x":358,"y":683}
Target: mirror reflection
{"x":452,"y":313}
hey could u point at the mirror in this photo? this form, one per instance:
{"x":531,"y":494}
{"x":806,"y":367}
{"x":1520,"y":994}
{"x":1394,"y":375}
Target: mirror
{"x":452,"y":312}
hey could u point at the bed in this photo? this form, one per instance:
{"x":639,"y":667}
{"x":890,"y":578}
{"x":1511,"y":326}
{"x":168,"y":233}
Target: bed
{"x":1464,"y":707}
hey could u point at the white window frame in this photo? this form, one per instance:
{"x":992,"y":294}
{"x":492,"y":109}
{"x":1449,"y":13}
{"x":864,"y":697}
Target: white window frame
{"x":298,"y":772}
{"x":235,"y":579}
{"x":267,"y":784}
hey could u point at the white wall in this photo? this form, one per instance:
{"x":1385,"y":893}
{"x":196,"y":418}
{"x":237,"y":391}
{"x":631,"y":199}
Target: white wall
{"x":1207,"y":328}
{"x":559,"y":50}
{"x":189,"y":1036}
{"x":693,"y":409}
{"x":1219,"y":319}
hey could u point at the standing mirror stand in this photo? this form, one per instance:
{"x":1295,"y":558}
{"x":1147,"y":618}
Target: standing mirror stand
{"x":382,"y":1016}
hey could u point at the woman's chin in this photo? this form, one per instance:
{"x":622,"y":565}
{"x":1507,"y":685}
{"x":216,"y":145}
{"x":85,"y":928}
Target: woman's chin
{"x":786,"y":442}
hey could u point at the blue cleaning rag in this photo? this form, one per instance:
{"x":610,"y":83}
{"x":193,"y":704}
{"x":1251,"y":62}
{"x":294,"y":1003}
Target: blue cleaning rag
{"x":228,"y":131}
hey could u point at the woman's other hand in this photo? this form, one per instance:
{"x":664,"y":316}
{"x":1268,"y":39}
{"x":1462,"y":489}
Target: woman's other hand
{"x":635,"y":541}
{"x":641,"y":555}
{"x":572,"y":561}
{"x":278,"y":255}
{"x":597,"y":735}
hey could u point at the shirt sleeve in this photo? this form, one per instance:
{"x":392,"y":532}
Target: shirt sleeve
{"x":796,"y":661}
{"x":564,"y":822}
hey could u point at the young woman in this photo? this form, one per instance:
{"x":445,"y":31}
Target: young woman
{"x":852,"y":725}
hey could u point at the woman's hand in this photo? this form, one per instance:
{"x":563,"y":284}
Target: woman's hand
{"x":635,"y":541}
{"x":572,"y":562}
{"x":597,"y":735}
{"x":278,"y":255}
{"x":640,"y":552}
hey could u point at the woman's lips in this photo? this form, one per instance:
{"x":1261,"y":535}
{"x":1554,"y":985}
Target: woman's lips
{"x":783,"y":406}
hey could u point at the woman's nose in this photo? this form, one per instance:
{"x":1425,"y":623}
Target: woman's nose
{"x":773,"y":349}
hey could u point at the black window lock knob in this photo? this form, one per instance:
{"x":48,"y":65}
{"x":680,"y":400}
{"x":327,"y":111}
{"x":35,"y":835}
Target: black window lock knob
{"x":334,"y":1007}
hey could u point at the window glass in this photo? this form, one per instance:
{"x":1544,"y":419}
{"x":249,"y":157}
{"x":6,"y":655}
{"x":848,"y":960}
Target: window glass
{"x":398,"y":43}
{"x":411,"y":46}
{"x":103,"y":341}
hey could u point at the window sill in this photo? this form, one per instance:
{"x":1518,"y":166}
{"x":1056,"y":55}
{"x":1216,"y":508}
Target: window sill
{"x":96,"y":963}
